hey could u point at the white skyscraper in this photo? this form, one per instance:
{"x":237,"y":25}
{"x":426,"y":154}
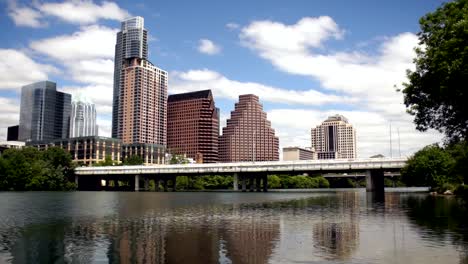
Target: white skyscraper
{"x":335,"y":138}
{"x":83,"y":118}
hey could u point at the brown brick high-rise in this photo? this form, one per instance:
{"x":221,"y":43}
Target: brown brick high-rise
{"x":248,"y":135}
{"x":193,"y":126}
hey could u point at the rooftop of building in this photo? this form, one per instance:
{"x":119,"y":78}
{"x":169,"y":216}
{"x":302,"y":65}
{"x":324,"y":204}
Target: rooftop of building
{"x":336,"y":117}
{"x":297,"y":148}
{"x":189,"y":96}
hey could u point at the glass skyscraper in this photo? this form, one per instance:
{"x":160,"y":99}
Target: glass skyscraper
{"x":44,"y":112}
{"x":83,"y":118}
{"x":132,"y":42}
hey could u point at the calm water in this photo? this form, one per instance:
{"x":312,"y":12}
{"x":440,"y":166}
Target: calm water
{"x":342,"y":227}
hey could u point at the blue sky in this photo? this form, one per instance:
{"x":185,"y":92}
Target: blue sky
{"x":305,"y":59}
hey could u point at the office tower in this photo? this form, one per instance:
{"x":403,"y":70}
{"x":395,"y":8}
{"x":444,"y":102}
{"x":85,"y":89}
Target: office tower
{"x":44,"y":112}
{"x":132,"y":42}
{"x":140,"y":89}
{"x":335,"y":138}
{"x":193,"y":126}
{"x":12,"y":133}
{"x":83,"y":118}
{"x":248,"y":135}
{"x":297,"y":153}
{"x":85,"y":150}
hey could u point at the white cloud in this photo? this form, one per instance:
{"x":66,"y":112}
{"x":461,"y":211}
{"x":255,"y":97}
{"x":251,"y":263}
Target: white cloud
{"x":372,"y":129}
{"x":101,"y":95}
{"x":9,"y":115}
{"x":97,"y":71}
{"x":81,"y":12}
{"x":84,"y":11}
{"x":25,"y":16}
{"x":223,"y":87}
{"x":232,"y":26}
{"x":89,"y":43}
{"x":18,"y":69}
{"x":207,"y":46}
{"x":299,"y":49}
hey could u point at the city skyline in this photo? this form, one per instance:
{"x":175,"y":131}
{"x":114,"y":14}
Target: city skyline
{"x":295,"y":99}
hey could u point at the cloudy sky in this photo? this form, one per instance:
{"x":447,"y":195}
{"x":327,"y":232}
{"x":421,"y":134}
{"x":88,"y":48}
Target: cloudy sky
{"x":306,"y":60}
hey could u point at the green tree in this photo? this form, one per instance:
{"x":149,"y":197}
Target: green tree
{"x":274,"y":182}
{"x":459,"y":152}
{"x":106,"y":162}
{"x":178,"y":159}
{"x":436,"y":93}
{"x":432,"y":166}
{"x":133,"y":160}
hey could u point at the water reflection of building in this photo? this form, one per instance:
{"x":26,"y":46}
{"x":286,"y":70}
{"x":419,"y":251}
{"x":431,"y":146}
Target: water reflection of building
{"x":250,"y":241}
{"x":338,"y":238}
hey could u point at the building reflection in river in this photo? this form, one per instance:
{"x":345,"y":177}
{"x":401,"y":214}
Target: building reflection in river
{"x":173,"y":239}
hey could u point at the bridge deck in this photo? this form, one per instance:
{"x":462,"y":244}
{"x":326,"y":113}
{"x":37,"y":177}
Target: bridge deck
{"x":339,"y":165}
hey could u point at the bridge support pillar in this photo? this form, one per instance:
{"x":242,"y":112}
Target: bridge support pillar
{"x":235,"y":186}
{"x":76,"y":182}
{"x":265,"y":182}
{"x":165,"y":185}
{"x":375,"y":181}
{"x":244,"y":183}
{"x":174,"y":183}
{"x":146,"y":184}
{"x":252,"y":183}
{"x":258,"y":179}
{"x":137,"y":183}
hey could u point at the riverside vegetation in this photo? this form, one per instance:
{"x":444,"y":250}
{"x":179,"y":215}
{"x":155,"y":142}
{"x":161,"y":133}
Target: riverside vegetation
{"x":29,"y":169}
{"x":436,"y":96}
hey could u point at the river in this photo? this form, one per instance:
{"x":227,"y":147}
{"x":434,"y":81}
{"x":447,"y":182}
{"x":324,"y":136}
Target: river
{"x":324,"y":227}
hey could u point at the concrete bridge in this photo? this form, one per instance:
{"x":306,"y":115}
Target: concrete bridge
{"x":253,"y":174}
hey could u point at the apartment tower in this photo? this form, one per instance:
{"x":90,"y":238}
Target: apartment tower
{"x":83,"y":118}
{"x":193,"y":126}
{"x":335,"y":138}
{"x":140,"y":89}
{"x":248,"y":135}
{"x":44,"y":112}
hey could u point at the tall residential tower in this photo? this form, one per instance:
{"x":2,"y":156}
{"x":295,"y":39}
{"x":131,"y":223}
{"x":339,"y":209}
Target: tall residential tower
{"x":335,"y":138}
{"x":140,"y":89}
{"x":44,"y":112}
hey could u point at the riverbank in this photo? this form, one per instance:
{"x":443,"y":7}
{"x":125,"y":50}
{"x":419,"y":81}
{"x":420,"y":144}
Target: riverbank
{"x":327,"y":190}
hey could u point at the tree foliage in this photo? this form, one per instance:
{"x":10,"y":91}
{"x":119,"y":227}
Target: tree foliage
{"x":178,"y":159}
{"x":432,"y":166}
{"x":436,"y":93}
{"x":28,"y":169}
{"x":133,"y":160}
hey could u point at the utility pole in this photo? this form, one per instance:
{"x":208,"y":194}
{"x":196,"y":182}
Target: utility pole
{"x":391,"y":152}
{"x":399,"y":148}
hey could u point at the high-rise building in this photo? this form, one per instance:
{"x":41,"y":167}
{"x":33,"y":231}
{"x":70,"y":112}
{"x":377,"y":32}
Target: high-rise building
{"x":335,"y":138}
{"x":248,"y":135}
{"x":132,"y":42}
{"x":140,"y":89}
{"x":83,"y":118}
{"x":193,"y":126}
{"x":44,"y":112}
